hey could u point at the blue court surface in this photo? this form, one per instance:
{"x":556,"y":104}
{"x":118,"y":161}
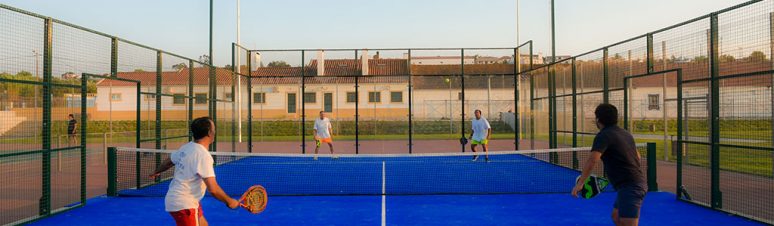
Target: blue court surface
{"x":660,"y":208}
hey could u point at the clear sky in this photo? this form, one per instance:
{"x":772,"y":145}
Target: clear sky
{"x":181,"y":26}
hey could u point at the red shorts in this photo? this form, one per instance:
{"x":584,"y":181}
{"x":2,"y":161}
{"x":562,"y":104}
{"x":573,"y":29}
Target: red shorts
{"x":188,"y":217}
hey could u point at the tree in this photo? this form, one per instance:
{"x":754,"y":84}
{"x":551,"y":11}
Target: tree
{"x":725,"y":58}
{"x":139,"y":70}
{"x":700,"y":59}
{"x":278,"y":64}
{"x":180,"y":66}
{"x":756,"y":56}
{"x":228,"y":67}
{"x":204,"y":59}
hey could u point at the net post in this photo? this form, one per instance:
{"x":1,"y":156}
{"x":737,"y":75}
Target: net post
{"x":652,"y":170}
{"x":112,"y":172}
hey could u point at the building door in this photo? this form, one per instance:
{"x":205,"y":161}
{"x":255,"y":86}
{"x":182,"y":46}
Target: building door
{"x":328,"y":102}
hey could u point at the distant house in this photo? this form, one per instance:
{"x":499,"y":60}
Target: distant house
{"x":550,"y":59}
{"x":329,"y":86}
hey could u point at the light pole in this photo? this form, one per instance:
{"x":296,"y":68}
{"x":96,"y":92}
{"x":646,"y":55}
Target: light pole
{"x":37,"y":75}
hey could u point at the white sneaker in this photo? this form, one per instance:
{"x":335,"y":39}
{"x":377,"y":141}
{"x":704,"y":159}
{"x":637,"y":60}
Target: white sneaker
{"x":315,"y":157}
{"x":475,"y":157}
{"x":335,"y":156}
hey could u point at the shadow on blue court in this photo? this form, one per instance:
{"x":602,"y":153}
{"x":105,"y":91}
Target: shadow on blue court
{"x":538,"y":209}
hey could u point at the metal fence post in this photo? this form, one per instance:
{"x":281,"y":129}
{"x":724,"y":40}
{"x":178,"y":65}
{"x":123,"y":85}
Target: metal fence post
{"x":158,"y":109}
{"x":84,"y":128}
{"x":574,"y":115}
{"x":605,"y":77}
{"x":717,"y":198}
{"x":410,"y":103}
{"x":303,"y":103}
{"x":516,"y":76}
{"x":45,"y":199}
{"x":462,"y":98}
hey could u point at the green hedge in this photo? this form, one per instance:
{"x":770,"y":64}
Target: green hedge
{"x":291,"y":128}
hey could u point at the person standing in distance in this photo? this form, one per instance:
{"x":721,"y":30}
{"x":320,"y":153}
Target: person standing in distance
{"x":322,"y":133}
{"x":479,"y":134}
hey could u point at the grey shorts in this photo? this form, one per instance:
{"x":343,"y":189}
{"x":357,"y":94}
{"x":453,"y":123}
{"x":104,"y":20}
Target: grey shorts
{"x":629,"y":200}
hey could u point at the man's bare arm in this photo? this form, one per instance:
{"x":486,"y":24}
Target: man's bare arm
{"x":219,"y":194}
{"x":590,"y":163}
{"x":166,"y":165}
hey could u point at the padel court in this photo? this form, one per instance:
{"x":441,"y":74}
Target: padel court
{"x":439,"y":189}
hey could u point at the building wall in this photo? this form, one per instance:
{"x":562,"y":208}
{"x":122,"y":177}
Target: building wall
{"x":429,"y":104}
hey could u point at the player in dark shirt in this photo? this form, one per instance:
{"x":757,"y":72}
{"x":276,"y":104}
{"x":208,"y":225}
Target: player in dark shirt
{"x":617,"y":150}
{"x":72,"y":130}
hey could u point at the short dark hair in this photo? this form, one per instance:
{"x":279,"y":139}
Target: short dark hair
{"x":200,"y":127}
{"x":479,"y":111}
{"x":71,"y":115}
{"x":607,"y":114}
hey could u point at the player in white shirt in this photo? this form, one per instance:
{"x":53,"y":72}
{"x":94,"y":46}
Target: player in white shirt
{"x":322,"y":133}
{"x":194,"y":173}
{"x":479,"y":134}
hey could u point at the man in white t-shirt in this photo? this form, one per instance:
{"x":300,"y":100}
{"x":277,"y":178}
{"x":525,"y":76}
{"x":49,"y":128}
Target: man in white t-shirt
{"x":194,"y":173}
{"x":479,"y":134}
{"x":322,"y":133}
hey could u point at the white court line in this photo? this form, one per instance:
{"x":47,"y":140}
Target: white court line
{"x":384,"y":198}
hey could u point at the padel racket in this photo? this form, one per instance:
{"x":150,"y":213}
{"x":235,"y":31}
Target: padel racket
{"x":463,"y":141}
{"x":592,"y":186}
{"x":254,"y":199}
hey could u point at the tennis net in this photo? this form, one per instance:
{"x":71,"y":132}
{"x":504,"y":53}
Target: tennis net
{"x":506,"y":172}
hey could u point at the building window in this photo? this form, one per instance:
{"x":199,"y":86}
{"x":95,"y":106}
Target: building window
{"x":178,"y":99}
{"x":310,"y":98}
{"x":291,"y":103}
{"x":374,"y":97}
{"x":351,"y":97}
{"x":653,"y":102}
{"x":200,"y":98}
{"x":459,"y":96}
{"x":396,"y":97}
{"x":150,"y":97}
{"x":259,"y":98}
{"x":228,"y":96}
{"x":115,"y":97}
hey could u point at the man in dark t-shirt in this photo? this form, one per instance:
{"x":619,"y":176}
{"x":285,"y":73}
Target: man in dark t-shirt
{"x":72,"y":130}
{"x":617,"y":150}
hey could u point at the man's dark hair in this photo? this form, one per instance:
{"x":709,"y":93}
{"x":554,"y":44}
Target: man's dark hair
{"x":71,"y":115}
{"x":479,"y":111}
{"x":607,"y":114}
{"x":200,"y":127}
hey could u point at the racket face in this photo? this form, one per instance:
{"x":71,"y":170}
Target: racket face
{"x":255,"y":199}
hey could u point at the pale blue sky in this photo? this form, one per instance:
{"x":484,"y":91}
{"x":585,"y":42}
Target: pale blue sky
{"x":181,"y":26}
